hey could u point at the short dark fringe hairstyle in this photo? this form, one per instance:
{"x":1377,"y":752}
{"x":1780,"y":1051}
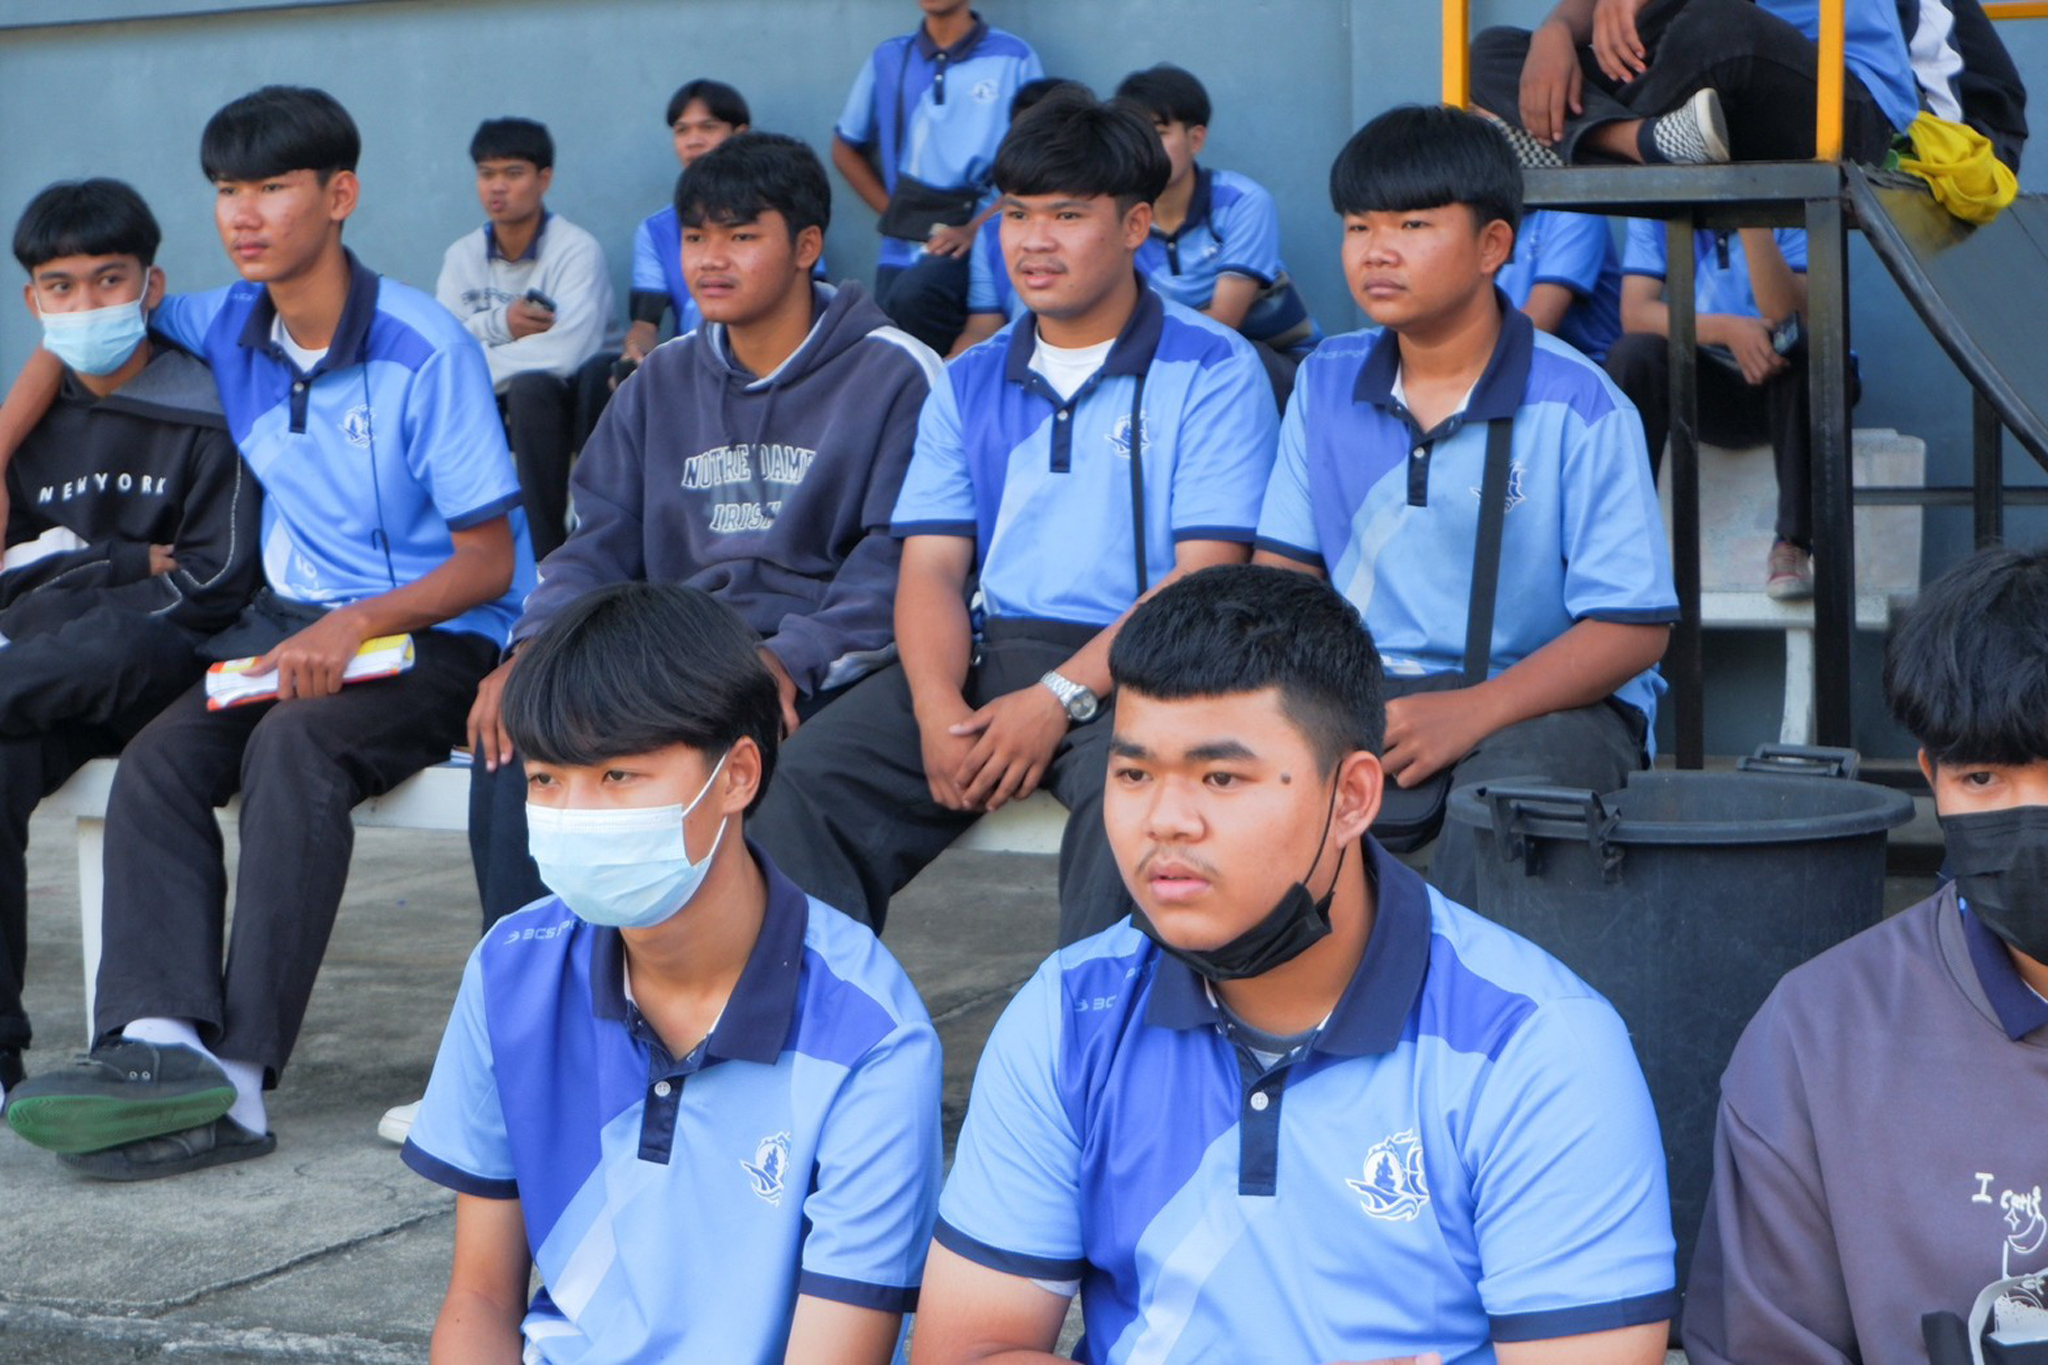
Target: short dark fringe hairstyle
{"x":1966,"y":669}
{"x":513,"y":139}
{"x":96,"y":217}
{"x":1243,"y":628}
{"x":748,"y":174}
{"x":276,"y":130}
{"x":1073,"y":143}
{"x":634,"y":667}
{"x":1170,"y":92}
{"x":1425,"y":156}
{"x":1030,"y":94}
{"x":726,"y":104}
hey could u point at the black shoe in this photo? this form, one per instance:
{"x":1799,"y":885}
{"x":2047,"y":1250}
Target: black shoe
{"x":118,"y":1093}
{"x":151,"y":1158}
{"x":11,"y":1073}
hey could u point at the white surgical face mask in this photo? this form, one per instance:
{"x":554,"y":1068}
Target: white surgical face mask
{"x":98,"y":340}
{"x":629,"y":868}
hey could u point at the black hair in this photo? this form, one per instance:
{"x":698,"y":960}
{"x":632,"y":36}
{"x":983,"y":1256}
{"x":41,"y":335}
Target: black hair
{"x":725,"y":104}
{"x":1424,"y":156}
{"x":1966,"y":670}
{"x":1243,"y":628}
{"x":1030,"y":94}
{"x":1171,"y":93}
{"x":1073,"y":143}
{"x":97,"y":217}
{"x":634,"y":667}
{"x":513,"y":139}
{"x":278,"y":129}
{"x":748,"y":174}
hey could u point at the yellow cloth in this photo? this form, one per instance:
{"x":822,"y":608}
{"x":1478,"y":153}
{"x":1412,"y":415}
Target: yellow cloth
{"x":1956,"y":162}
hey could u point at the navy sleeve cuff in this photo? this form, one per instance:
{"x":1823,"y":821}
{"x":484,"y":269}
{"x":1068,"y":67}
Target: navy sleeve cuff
{"x":1008,"y":1262}
{"x":1633,"y":616}
{"x":1592,"y":1317}
{"x":645,"y":305}
{"x":1286,"y":551}
{"x":490,"y":511}
{"x":1236,"y":535}
{"x":903,"y":530}
{"x":455,"y":1178}
{"x":883,"y":1298}
{"x":1646,"y":274}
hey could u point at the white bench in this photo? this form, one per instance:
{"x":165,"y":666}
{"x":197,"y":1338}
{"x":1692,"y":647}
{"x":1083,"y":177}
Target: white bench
{"x":438,"y":799}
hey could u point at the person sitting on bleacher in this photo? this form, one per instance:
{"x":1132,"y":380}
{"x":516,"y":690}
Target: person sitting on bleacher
{"x":131,"y":530}
{"x":1106,"y":443}
{"x":1701,"y":81}
{"x":757,"y":457}
{"x":1749,"y":291}
{"x":364,"y":410}
{"x":1479,"y":490}
{"x":701,"y":114}
{"x":1565,"y":276}
{"x":1879,"y":1157}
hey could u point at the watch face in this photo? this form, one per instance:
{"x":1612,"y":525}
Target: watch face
{"x":1082,"y":705}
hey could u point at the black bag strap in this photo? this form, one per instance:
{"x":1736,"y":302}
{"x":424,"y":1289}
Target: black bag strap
{"x":1493,"y":516}
{"x":1138,"y":485}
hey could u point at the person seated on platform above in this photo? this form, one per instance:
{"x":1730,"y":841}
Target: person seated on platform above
{"x":131,"y":530}
{"x":390,"y":506}
{"x":1298,"y":1106}
{"x":916,"y":142}
{"x":701,"y":114}
{"x":1695,"y":82}
{"x":703,"y":1105}
{"x":1749,"y":295}
{"x":991,"y":301}
{"x":758,"y":457}
{"x":1565,"y":276}
{"x":1478,"y":488}
{"x":1878,"y":1157}
{"x":535,"y":290}
{"x":1108,"y":442}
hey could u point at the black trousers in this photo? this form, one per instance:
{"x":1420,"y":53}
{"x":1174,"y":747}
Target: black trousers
{"x":66,"y":698}
{"x":848,"y":815}
{"x":300,"y":767}
{"x":1764,"y":69}
{"x":540,"y":424}
{"x":928,"y":299}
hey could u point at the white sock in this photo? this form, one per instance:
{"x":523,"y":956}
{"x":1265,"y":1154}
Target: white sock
{"x":247,"y":1077}
{"x":167,"y":1033}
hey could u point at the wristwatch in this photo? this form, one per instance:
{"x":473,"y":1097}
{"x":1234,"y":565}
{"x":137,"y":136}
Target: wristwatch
{"x":1081,"y":704}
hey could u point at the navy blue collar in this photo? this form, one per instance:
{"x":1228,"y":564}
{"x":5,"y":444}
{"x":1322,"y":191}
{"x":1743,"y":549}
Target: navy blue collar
{"x":2019,"y":1010}
{"x":757,"y":1018}
{"x":491,"y":251}
{"x":930,"y":50}
{"x":1372,"y":1014}
{"x":1501,"y":385}
{"x":1199,"y":204}
{"x":351,"y":342}
{"x":1131,"y":354}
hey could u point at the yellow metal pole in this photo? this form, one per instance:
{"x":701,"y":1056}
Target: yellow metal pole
{"x":1827,"y":113}
{"x":1457,"y":54}
{"x":2016,"y":9}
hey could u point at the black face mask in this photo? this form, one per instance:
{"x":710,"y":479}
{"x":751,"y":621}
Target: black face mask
{"x":1290,"y":927}
{"x":2000,"y":862}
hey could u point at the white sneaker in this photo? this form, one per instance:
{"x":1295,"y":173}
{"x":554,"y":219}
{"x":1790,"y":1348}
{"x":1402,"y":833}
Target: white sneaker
{"x":1693,"y":134}
{"x":397,"y":1122}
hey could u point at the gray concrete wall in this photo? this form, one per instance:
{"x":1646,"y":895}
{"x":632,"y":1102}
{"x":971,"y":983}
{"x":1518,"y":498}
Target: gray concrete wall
{"x":122,"y":87}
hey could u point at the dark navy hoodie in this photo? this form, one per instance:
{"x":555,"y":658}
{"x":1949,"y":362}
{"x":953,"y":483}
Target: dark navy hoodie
{"x":772,"y":493}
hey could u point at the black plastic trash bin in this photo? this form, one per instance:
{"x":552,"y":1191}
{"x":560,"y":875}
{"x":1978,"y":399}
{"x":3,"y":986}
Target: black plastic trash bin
{"x":1683,"y":898}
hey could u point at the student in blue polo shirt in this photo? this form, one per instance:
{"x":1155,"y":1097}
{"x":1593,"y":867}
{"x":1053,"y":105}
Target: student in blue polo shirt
{"x":1299,"y":1107}
{"x":364,"y":410}
{"x":917,"y":141}
{"x":1749,"y":290}
{"x":1383,"y":454}
{"x":1102,"y":445}
{"x":1564,"y":275}
{"x":705,"y":1107}
{"x":701,"y":114}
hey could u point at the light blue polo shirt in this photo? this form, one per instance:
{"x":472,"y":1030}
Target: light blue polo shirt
{"x":1464,"y":1154}
{"x":1575,"y":250}
{"x":1720,"y":266}
{"x":988,"y":275}
{"x":1392,"y":512}
{"x":676,"y":1206}
{"x":1874,"y":47}
{"x":951,"y":105}
{"x":388,"y":444}
{"x":1232,"y":228}
{"x":1043,"y":486}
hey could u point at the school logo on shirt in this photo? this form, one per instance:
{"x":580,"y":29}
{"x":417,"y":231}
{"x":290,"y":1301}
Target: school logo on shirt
{"x":986,"y":92}
{"x":1120,"y":435}
{"x":770,"y":1164}
{"x":1394,"y":1187}
{"x":355,"y":424}
{"x":1515,"y":498}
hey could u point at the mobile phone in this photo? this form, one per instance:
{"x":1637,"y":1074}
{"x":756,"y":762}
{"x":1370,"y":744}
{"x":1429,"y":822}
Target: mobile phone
{"x":622,"y":369}
{"x":1787,"y":335}
{"x":540,"y":300}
